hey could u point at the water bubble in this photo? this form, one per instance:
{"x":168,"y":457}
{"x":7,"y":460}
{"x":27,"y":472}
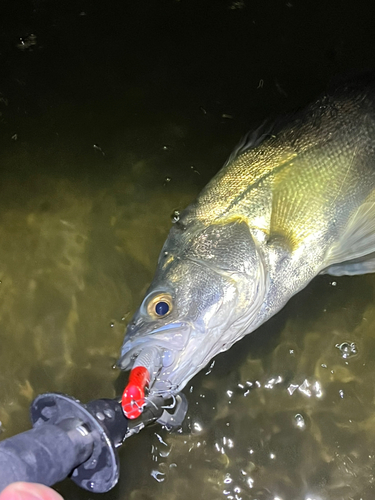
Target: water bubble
{"x":112,"y":325}
{"x":292,"y":388}
{"x":341,"y":393}
{"x":273,"y":381}
{"x":347,"y":349}
{"x":318,"y":389}
{"x":304,"y":388}
{"x":210,"y":368}
{"x":27,"y":42}
{"x":164,"y":453}
{"x":334,"y":283}
{"x":299,"y":421}
{"x":197,"y":427}
{"x":99,"y":149}
{"x":227,"y":479}
{"x":91,"y":485}
{"x":158,"y":476}
{"x":250,"y":482}
{"x":195,"y":170}
{"x":175,"y":216}
{"x":160,"y":439}
{"x":167,"y":180}
{"x":307,"y":388}
{"x":167,"y":148}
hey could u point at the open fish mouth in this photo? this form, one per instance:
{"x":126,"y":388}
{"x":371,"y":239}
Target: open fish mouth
{"x":160,"y":357}
{"x":156,"y":351}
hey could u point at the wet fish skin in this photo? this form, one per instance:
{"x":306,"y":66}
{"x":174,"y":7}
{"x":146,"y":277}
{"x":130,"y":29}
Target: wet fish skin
{"x":294,"y":201}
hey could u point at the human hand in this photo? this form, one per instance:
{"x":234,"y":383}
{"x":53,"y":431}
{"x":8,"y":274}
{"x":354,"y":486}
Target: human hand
{"x":29,"y":491}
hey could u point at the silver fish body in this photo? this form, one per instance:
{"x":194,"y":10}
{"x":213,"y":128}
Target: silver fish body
{"x":291,"y":202}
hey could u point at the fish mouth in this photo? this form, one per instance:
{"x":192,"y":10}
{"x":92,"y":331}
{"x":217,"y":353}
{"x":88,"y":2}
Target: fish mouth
{"x":168,"y":341}
{"x":175,"y":353}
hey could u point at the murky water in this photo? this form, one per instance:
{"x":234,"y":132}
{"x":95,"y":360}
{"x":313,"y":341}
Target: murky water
{"x":111,"y":118}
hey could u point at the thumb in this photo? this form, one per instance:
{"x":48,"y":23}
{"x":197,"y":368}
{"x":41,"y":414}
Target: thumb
{"x":29,"y":491}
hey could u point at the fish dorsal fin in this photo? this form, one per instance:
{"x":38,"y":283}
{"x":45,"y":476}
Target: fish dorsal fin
{"x":354,"y":252}
{"x":252,"y":139}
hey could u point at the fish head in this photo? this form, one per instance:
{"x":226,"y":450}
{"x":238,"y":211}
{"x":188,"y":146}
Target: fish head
{"x":206,"y":293}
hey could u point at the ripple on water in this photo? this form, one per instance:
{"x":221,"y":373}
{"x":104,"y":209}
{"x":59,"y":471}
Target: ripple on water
{"x":347,"y":349}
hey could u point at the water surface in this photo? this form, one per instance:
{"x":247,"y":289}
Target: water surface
{"x":116,"y":116}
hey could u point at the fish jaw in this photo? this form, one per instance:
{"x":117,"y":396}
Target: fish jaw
{"x":181,"y":351}
{"x":169,"y":340}
{"x":178,"y":360}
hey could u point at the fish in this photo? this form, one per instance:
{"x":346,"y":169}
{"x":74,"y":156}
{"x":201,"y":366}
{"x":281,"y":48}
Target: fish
{"x":294,"y":200}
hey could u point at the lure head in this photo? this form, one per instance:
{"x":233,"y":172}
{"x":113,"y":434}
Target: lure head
{"x":207,"y":289}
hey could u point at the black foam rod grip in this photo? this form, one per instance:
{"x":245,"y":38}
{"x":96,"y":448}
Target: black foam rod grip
{"x":46,"y":455}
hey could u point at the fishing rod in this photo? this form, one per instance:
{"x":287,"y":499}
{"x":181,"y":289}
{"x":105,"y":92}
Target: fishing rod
{"x":79,"y":440}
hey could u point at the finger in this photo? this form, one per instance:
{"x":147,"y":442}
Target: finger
{"x":29,"y":491}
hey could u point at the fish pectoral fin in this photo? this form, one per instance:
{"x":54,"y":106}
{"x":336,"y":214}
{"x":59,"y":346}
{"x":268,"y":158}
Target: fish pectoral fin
{"x":363,"y":265}
{"x":354,"y":253}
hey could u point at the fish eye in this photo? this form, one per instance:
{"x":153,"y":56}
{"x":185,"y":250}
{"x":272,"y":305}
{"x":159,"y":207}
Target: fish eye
{"x":161,"y":308}
{"x":160,"y":305}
